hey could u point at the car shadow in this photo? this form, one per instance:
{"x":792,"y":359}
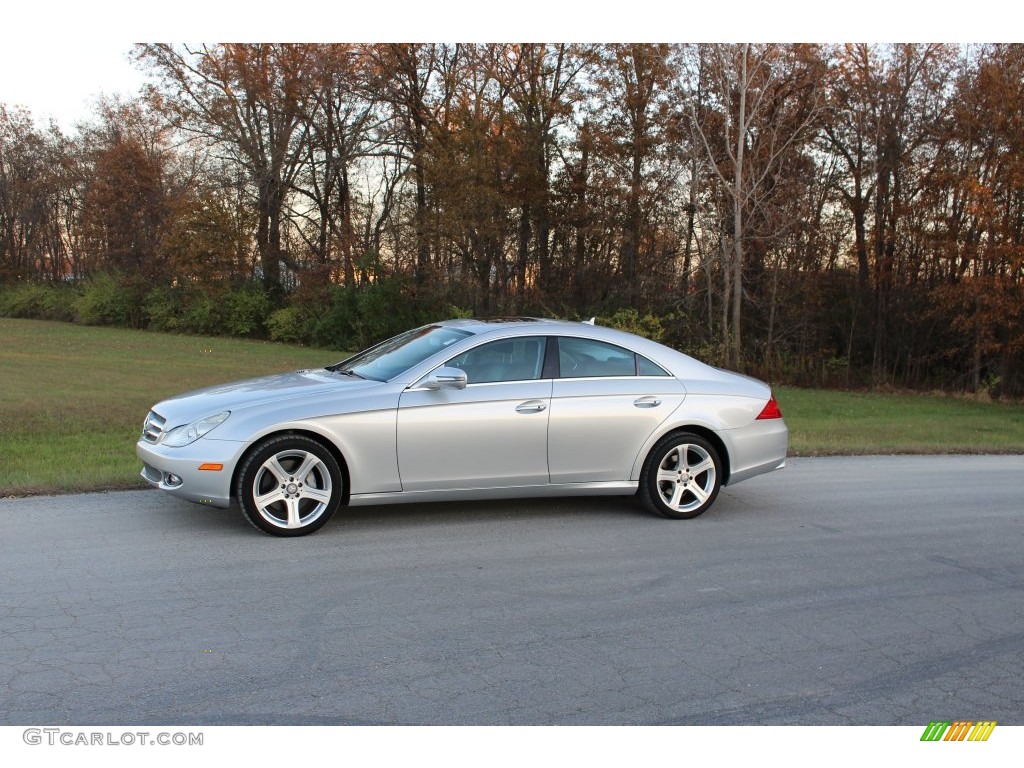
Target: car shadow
{"x":728,"y":507}
{"x":487,"y":511}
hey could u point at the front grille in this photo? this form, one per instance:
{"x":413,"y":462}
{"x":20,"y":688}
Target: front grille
{"x":153,"y":427}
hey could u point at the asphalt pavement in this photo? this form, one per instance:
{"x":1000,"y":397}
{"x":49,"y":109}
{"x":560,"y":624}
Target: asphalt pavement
{"x":845,"y":591}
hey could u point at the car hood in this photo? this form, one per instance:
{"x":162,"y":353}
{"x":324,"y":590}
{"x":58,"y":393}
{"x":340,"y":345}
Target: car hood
{"x":199,"y":403}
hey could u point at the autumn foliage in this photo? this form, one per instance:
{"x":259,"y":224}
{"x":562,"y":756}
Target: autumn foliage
{"x":842,"y":215}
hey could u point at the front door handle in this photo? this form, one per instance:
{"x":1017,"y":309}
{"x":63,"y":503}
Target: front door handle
{"x":531,"y":406}
{"x":647,"y":402}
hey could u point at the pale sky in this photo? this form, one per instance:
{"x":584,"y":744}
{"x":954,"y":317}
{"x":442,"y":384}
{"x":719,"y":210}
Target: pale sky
{"x":61,"y":81}
{"x":57,"y":57}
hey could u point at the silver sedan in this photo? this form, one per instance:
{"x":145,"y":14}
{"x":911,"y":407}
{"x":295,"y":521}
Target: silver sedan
{"x":468,"y":409}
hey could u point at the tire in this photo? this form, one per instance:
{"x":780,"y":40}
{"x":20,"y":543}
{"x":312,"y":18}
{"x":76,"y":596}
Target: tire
{"x":290,"y":486}
{"x":681,"y":476}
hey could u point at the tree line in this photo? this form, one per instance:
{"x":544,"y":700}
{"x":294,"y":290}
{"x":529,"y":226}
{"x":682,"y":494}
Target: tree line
{"x":827,"y":214}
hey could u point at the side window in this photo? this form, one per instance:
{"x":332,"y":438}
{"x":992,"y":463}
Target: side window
{"x":645,"y":367}
{"x":505,"y":360}
{"x":586,"y":358}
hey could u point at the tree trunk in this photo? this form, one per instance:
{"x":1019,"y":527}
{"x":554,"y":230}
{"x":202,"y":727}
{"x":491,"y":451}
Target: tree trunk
{"x":422,"y":244}
{"x":737,"y":198}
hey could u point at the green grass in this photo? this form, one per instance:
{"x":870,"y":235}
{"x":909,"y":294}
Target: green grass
{"x":72,"y":401}
{"x":825,"y":422}
{"x":73,"y":398}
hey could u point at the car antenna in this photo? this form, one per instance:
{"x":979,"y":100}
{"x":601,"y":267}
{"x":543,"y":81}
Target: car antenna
{"x":590,"y":321}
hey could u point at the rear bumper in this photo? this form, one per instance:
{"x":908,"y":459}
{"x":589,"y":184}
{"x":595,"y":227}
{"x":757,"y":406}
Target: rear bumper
{"x":758,"y":448}
{"x":176,"y":470}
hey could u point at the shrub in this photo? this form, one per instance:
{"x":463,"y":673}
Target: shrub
{"x":162,"y":309}
{"x":334,"y":327}
{"x":246,"y":308}
{"x":105,"y":301}
{"x":290,"y":325}
{"x":649,"y":326}
{"x":38,"y":301}
{"x":457,"y":313}
{"x":358,"y":316}
{"x":204,"y":314}
{"x":384,"y":309}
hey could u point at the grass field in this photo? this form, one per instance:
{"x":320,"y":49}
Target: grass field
{"x":826,"y":422}
{"x":72,"y":398}
{"x":72,"y":401}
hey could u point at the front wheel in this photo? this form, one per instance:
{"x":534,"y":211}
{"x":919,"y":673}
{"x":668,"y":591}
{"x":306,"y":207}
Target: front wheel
{"x":681,"y":476}
{"x":290,"y":486}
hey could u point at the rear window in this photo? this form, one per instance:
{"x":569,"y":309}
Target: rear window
{"x":587,"y":358}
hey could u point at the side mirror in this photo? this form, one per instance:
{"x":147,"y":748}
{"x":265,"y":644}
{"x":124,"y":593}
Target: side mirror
{"x":445,"y":378}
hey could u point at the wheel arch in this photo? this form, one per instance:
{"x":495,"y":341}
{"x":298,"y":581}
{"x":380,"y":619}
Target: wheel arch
{"x":708,"y":434}
{"x":328,"y":444}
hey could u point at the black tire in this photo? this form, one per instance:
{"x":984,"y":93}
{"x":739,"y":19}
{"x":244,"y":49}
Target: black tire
{"x":290,"y":486}
{"x":681,"y":476}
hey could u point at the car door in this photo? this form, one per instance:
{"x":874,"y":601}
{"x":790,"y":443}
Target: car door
{"x":491,"y":434}
{"x":605,"y":403}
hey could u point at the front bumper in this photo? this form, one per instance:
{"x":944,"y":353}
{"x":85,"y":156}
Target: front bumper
{"x":176,"y":470}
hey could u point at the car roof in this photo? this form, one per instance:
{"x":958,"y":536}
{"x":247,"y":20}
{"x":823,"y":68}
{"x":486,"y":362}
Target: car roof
{"x":504,"y":327}
{"x":698,"y":375}
{"x":530,"y":326}
{"x":484,"y":324}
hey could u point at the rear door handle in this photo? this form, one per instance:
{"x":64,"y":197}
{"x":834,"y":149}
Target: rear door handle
{"x":647,"y":402}
{"x":531,"y":406}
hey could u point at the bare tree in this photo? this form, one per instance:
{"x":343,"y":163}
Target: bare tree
{"x":38,"y":198}
{"x":635,"y":110}
{"x":339,"y":125}
{"x":541,"y":84}
{"x":404,"y":76}
{"x":766,"y":104}
{"x":248,"y":99}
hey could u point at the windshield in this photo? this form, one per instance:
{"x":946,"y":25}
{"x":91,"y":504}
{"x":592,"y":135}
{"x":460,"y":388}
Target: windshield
{"x":398,"y":354}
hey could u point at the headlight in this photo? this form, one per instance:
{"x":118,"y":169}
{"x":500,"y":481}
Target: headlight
{"x":189,"y":433}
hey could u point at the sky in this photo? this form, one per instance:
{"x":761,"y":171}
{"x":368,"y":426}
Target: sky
{"x":63,"y":55}
{"x":43,"y":78}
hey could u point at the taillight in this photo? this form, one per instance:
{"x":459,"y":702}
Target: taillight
{"x":771,"y":410}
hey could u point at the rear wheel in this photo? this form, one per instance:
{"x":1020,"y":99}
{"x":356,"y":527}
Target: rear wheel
{"x":290,"y":486}
{"x":681,"y":476}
